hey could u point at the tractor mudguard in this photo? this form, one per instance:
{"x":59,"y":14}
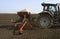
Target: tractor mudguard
{"x":46,"y":12}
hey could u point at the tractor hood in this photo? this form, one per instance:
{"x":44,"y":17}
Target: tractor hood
{"x":46,"y":12}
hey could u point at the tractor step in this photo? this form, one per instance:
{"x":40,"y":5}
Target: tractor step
{"x":57,"y":24}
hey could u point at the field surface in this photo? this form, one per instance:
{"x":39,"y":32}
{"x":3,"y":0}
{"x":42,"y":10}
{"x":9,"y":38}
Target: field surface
{"x":6,"y":32}
{"x":35,"y":33}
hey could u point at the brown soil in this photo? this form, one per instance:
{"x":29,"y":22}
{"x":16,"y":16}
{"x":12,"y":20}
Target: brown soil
{"x":35,"y":33}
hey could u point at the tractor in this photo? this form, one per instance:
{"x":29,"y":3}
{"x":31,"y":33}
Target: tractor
{"x":49,"y":16}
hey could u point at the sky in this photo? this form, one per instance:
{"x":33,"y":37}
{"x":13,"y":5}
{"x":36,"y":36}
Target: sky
{"x":13,"y":6}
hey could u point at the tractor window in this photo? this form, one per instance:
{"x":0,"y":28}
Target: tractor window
{"x":59,"y":7}
{"x":45,"y":7}
{"x":52,"y":9}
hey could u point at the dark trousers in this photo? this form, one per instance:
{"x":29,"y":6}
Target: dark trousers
{"x":15,"y":29}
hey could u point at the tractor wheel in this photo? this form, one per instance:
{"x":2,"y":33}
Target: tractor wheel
{"x":45,"y":21}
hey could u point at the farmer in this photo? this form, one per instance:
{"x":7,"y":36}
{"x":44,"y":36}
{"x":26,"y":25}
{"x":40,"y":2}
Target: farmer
{"x":22,"y":24}
{"x":25,"y":23}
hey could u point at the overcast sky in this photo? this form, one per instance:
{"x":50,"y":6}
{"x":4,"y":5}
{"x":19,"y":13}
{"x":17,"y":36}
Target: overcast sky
{"x":7,"y":6}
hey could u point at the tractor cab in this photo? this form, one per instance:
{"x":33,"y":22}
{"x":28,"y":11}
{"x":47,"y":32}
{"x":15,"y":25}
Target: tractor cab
{"x":49,"y":7}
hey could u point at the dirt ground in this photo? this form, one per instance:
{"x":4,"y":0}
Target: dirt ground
{"x":35,"y":33}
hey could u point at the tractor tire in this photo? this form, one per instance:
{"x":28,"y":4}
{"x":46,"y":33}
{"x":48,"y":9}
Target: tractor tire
{"x":45,"y":21}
